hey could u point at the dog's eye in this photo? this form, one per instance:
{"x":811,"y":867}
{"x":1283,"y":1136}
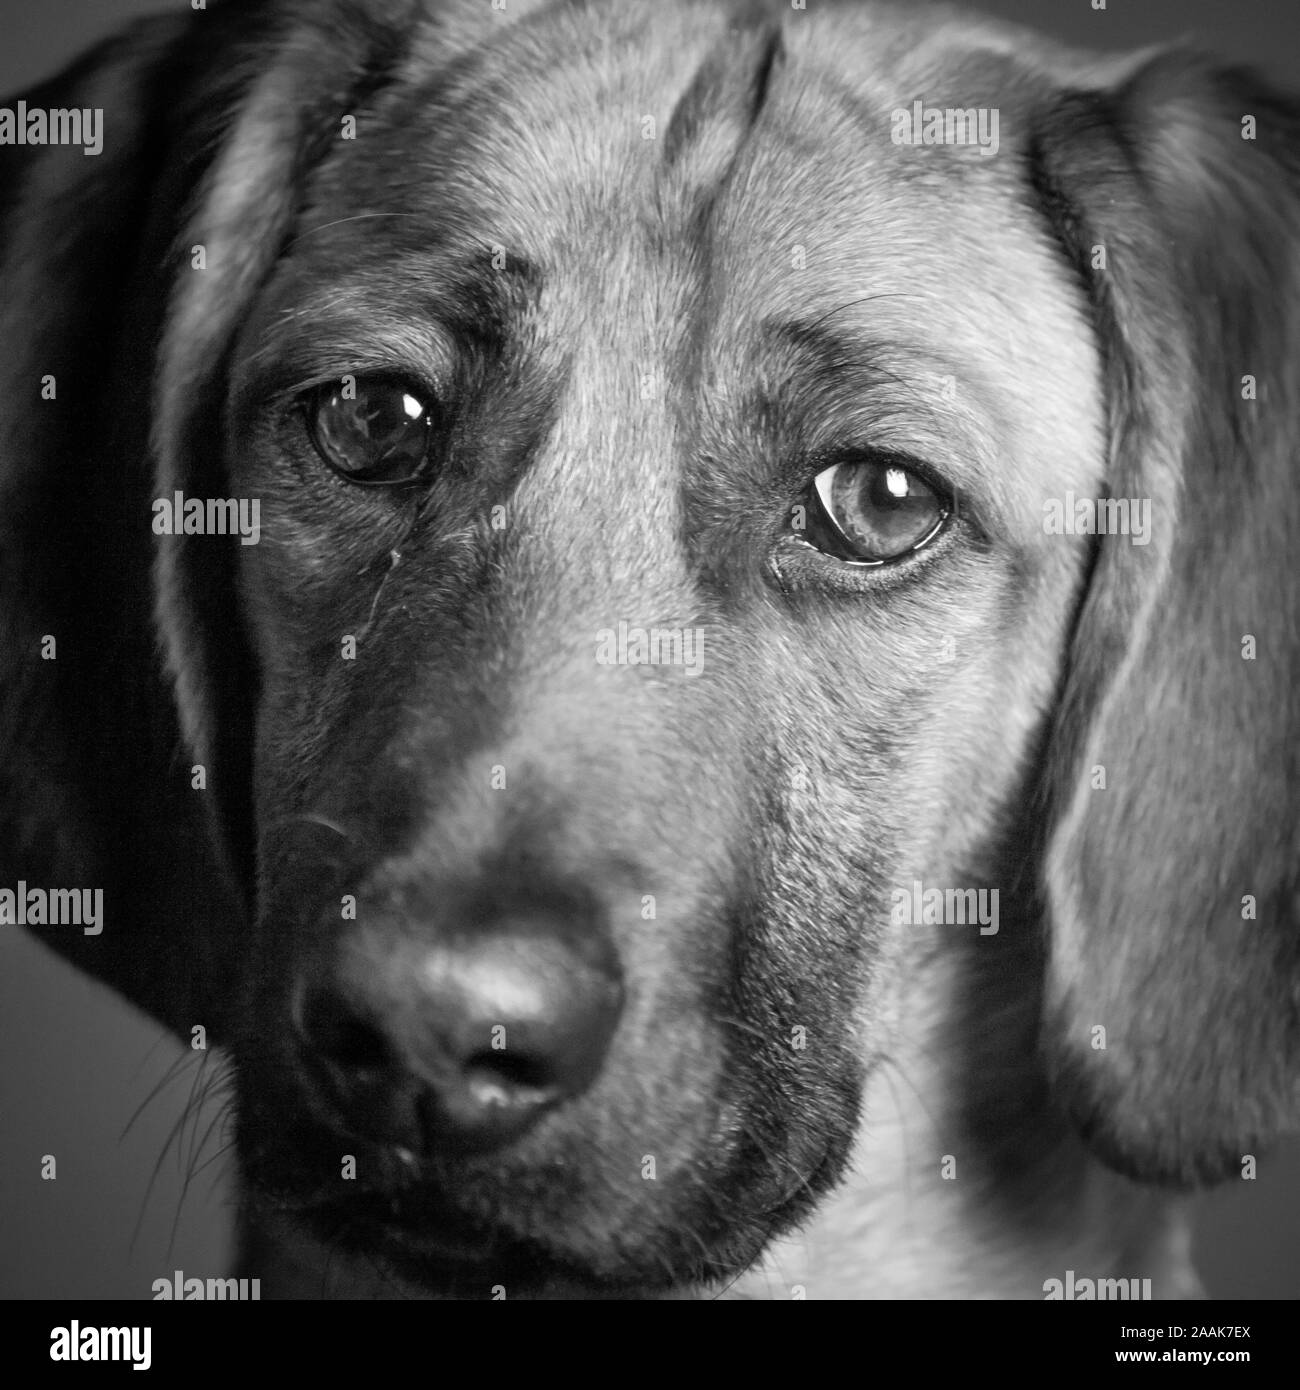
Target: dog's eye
{"x":871,"y":512}
{"x":373,"y":431}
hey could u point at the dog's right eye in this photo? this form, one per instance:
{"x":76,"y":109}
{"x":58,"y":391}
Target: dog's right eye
{"x":372,"y":431}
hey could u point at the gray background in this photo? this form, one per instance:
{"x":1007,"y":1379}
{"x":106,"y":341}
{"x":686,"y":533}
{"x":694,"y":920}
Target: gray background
{"x":76,"y":1064}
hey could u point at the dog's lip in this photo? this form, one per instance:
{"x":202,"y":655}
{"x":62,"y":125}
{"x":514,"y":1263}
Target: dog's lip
{"x":445,"y":1256}
{"x":408,"y":1213}
{"x":434,"y":1233}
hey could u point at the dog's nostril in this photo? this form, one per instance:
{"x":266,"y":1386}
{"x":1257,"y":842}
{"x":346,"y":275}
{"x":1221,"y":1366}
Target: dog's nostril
{"x":511,"y":1071}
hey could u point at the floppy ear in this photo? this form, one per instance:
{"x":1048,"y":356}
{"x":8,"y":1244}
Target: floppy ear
{"x":115,"y":331}
{"x":93,"y":791}
{"x":1172,"y":868}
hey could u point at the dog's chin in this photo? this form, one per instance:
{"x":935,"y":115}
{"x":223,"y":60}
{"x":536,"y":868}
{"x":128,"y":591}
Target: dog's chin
{"x":442,"y":1254}
{"x":411,"y":1239}
{"x":452,"y":1257}
{"x":419,"y":1245}
{"x":372,"y":1246}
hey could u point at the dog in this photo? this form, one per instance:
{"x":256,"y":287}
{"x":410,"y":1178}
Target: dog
{"x":676,"y":623}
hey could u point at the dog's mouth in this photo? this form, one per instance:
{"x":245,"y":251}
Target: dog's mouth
{"x":466,"y":1233}
{"x":431,"y":1248}
{"x":436,"y":1245}
{"x":419,"y":1240}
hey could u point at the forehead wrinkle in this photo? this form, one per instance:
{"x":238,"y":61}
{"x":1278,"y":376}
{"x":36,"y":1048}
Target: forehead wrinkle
{"x":538,"y":125}
{"x":724,"y":100}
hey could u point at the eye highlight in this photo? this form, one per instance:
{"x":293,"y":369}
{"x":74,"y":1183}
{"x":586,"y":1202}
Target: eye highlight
{"x":871,"y":512}
{"x":373,"y":431}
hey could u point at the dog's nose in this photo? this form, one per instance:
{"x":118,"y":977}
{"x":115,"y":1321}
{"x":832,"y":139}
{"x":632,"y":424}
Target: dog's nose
{"x":462,"y":1044}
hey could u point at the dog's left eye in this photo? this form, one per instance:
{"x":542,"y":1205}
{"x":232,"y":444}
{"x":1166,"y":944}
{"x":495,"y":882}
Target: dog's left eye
{"x":871,"y":512}
{"x":372,"y":431}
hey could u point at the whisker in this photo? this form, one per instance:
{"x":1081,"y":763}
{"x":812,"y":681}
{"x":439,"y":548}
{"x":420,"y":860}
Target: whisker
{"x":172,"y":1073}
{"x":338,"y":222}
{"x":853,"y":304}
{"x":153,"y":1176}
{"x":310,"y":818}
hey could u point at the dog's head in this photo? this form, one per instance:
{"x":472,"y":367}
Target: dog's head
{"x":672,"y":459}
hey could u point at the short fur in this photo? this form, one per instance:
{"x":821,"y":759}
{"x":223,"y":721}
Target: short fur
{"x":645,"y":345}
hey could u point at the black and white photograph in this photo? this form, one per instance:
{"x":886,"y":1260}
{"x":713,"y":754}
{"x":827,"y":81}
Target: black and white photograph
{"x":650,"y":651}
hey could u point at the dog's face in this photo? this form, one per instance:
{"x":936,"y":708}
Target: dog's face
{"x":614,"y":359}
{"x":652,"y":451}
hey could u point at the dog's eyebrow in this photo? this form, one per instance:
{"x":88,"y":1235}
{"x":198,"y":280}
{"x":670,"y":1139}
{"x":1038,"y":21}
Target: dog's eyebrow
{"x":365,"y":322}
{"x":887,"y":381}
